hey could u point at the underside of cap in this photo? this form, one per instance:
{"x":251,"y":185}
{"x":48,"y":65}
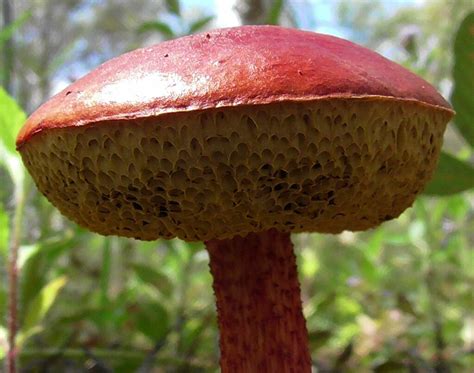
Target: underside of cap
{"x":322,"y":166}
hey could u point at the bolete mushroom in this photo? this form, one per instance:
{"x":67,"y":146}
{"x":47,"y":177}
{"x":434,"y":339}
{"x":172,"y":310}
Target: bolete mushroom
{"x":238,"y":137}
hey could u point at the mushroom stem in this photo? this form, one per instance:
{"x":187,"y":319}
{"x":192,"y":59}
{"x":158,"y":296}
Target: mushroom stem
{"x":261,"y":323}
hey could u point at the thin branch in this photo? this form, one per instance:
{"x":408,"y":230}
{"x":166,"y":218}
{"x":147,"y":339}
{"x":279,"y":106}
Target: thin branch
{"x":13,"y":278}
{"x":100,"y":365}
{"x":106,"y":354}
{"x":149,"y":360}
{"x":12,"y":304}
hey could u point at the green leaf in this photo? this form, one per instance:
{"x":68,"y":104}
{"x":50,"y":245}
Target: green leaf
{"x":344,"y":356}
{"x":191,"y":336}
{"x":157,"y":26}
{"x":152,"y":320}
{"x":199,"y":24}
{"x":173,"y":6}
{"x":404,"y":304}
{"x":319,"y":338}
{"x":326,"y":305}
{"x":153,"y":277}
{"x":14,"y":166}
{"x":463,"y":74}
{"x":369,"y":269}
{"x":3,"y":342}
{"x":452,"y":176}
{"x":12,"y":118}
{"x":4,"y":232}
{"x":39,"y":260}
{"x":275,"y":12}
{"x":390,"y":366}
{"x":373,"y":244}
{"x":7,"y":32}
{"x":38,"y":309}
{"x":458,"y":208}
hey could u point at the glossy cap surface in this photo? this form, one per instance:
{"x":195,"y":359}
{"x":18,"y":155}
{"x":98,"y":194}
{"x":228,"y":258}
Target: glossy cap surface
{"x":247,"y":65}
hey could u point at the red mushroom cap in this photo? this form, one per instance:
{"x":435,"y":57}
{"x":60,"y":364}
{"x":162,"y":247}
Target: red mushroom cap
{"x":247,"y":65}
{"x":236,"y":131}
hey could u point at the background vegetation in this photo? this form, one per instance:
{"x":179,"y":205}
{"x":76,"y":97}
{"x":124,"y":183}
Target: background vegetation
{"x":394,"y":299}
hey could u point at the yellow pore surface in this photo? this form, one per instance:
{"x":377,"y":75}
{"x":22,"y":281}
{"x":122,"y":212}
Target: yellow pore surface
{"x":321,"y":166}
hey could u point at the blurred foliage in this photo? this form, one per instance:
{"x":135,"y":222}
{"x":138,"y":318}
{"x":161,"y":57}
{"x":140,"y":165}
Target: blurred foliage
{"x":186,"y":27}
{"x":452,"y":176}
{"x":463,"y":75}
{"x":275,"y":12}
{"x":396,"y":298}
{"x":7,"y":32}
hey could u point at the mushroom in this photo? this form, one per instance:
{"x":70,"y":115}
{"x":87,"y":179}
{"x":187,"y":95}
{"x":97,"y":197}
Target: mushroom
{"x":238,"y":137}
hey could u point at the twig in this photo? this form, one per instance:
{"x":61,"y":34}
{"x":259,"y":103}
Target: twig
{"x":105,"y":354}
{"x":13,"y":278}
{"x":151,"y":356}
{"x":99,"y":363}
{"x":12,"y":305}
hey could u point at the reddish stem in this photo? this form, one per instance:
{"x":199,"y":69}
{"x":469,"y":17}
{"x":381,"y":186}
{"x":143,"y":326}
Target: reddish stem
{"x":12,"y":306}
{"x":261,"y":323}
